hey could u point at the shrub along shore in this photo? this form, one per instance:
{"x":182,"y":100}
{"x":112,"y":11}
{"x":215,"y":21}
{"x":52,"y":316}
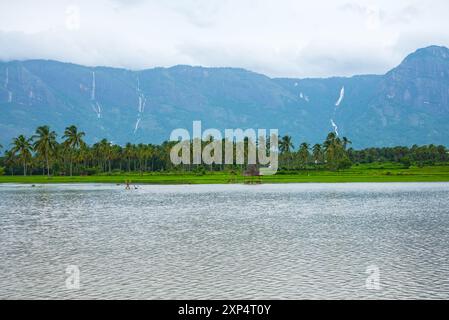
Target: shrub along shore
{"x":357,"y":173}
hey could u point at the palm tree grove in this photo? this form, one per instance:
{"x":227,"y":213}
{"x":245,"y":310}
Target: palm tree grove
{"x":45,"y":154}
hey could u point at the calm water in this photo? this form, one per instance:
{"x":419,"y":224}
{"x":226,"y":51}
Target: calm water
{"x":257,"y":242}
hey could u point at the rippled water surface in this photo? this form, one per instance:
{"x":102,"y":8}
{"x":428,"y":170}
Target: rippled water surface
{"x":226,"y":241}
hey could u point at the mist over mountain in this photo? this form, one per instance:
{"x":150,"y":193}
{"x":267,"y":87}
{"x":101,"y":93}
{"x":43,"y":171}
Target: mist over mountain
{"x":408,"y":105}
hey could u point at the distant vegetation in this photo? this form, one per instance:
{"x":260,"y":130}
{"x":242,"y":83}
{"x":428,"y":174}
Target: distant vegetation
{"x":43,"y":154}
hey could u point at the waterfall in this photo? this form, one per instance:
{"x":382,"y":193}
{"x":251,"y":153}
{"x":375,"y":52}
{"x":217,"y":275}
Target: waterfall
{"x":340,"y":99}
{"x":335,"y":127}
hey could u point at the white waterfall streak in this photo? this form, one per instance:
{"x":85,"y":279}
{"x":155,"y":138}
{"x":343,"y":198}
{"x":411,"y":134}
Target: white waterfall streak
{"x":141,"y":102}
{"x":30,"y":96}
{"x":335,"y":127}
{"x":7,"y":78}
{"x":303,"y":97}
{"x":92,"y":94}
{"x":6,"y":85}
{"x":340,"y":99}
{"x":141,"y":98}
{"x":96,"y":106}
{"x":95,"y":109}
{"x":137,"y":125}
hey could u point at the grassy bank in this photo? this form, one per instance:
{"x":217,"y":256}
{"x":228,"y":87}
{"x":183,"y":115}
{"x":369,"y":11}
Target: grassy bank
{"x":361,"y":173}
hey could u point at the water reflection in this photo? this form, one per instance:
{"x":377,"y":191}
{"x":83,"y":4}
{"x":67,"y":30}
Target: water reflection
{"x":257,"y":242}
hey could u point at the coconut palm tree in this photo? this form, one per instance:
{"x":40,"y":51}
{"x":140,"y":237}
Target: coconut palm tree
{"x":108,"y":153}
{"x":22,"y":147}
{"x":104,"y":154}
{"x":285,"y":147}
{"x":74,"y":140}
{"x":10,"y":160}
{"x":85,"y":155}
{"x":128,"y":153}
{"x":117,"y":155}
{"x":330,"y":145}
{"x":141,"y":156}
{"x":45,"y":144}
{"x":286,"y":144}
{"x":149,"y":151}
{"x":336,"y":155}
{"x":346,"y":142}
{"x":317,"y":153}
{"x":330,"y":140}
{"x":304,"y":154}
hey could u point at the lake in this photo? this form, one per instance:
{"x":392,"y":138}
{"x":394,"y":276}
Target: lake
{"x":298,"y":241}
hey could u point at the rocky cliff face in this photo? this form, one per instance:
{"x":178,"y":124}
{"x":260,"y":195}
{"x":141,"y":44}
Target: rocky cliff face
{"x":421,"y":81}
{"x":410,"y":104}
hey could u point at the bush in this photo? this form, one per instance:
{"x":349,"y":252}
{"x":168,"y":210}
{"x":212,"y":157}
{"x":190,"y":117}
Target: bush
{"x":405,"y":161}
{"x":2,"y":171}
{"x":344,"y":164}
{"x":90,"y":171}
{"x":200,"y":170}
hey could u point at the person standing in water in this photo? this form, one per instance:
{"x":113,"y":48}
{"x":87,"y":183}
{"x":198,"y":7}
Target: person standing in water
{"x":127,"y":185}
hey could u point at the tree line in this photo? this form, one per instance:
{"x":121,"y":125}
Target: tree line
{"x":43,"y":154}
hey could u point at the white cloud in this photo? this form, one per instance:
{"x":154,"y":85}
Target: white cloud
{"x":275,"y":37}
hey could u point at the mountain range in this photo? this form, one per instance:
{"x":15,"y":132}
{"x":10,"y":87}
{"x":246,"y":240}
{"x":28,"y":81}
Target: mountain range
{"x":408,"y":105}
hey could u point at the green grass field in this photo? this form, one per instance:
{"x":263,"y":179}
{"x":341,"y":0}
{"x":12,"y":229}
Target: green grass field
{"x":361,"y":173}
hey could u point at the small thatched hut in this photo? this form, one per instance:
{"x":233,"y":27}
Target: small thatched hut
{"x":252,"y":174}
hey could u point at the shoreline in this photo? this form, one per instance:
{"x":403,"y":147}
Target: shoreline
{"x":183,"y":180}
{"x":357,"y":174}
{"x":39,"y":184}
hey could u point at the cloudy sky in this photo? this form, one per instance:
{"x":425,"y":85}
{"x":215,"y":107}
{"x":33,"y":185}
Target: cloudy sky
{"x":292,"y":38}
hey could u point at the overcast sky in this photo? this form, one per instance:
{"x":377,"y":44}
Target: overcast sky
{"x":291,"y":38}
